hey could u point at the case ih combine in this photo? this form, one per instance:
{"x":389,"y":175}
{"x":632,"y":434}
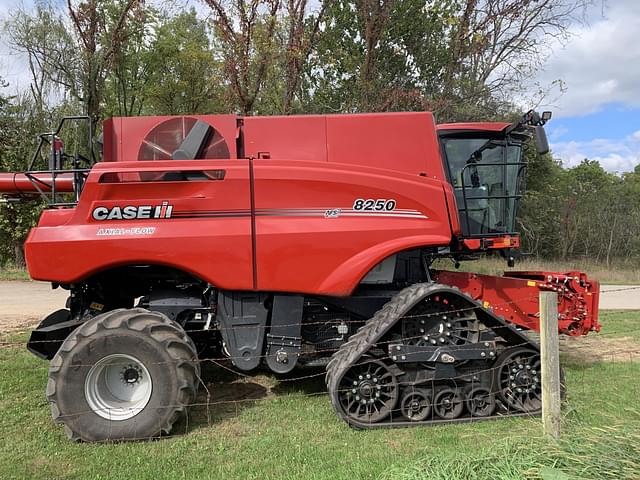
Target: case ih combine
{"x":289,"y":242}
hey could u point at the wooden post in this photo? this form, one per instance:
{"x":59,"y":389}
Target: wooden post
{"x":550,"y":359}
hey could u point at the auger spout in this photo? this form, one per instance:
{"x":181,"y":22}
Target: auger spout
{"x":20,"y":184}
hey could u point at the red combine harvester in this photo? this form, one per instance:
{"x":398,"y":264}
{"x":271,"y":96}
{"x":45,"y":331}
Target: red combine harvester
{"x":286,"y":242}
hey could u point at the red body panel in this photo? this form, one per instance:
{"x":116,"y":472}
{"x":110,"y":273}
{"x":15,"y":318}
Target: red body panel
{"x":324,"y":163}
{"x":309,"y":238}
{"x":404,"y":142}
{"x":480,"y":126}
{"x":215,"y":248}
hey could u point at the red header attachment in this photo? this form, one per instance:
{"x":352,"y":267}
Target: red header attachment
{"x":516,"y":297}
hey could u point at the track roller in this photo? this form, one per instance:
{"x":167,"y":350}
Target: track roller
{"x":416,"y":404}
{"x":480,"y":402}
{"x":448,"y":403}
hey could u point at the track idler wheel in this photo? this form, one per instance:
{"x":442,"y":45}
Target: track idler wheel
{"x":439,"y":320}
{"x":517,"y":380}
{"x":448,"y":403}
{"x":416,"y":404}
{"x":368,"y":392}
{"x":480,"y":402}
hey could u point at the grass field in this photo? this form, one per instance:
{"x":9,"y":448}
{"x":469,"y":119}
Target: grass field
{"x":288,"y":430}
{"x":13,"y":273}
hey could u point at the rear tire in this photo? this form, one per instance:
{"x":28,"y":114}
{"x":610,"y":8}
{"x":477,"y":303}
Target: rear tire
{"x":123,"y":375}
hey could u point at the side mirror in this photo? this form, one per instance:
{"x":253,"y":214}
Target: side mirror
{"x":542,"y":144}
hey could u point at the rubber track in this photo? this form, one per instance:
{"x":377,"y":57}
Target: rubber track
{"x":375,"y":328}
{"x":180,"y":347}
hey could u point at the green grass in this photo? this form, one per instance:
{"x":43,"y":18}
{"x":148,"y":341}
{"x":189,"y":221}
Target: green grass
{"x":294,"y":433}
{"x":621,"y":323}
{"x":617,"y":274}
{"x":13,"y":273}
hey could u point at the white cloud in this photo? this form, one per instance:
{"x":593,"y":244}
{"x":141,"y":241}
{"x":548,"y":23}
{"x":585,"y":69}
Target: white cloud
{"x":614,"y":155}
{"x":557,"y":132}
{"x":601,"y":63}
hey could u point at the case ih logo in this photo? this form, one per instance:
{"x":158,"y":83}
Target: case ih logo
{"x":133,"y":212}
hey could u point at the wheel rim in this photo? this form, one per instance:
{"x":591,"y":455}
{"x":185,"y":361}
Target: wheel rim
{"x":437,"y":321}
{"x":368,"y":392}
{"x":519,"y":381}
{"x":448,"y":404}
{"x":480,"y":402}
{"x":118,"y":387}
{"x":416,"y":405}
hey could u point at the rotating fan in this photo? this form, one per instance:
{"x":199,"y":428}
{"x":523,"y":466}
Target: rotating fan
{"x":183,"y":138}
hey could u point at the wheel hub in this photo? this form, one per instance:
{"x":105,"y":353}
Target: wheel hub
{"x":480,"y":402}
{"x":416,"y":404}
{"x":118,"y":387}
{"x":519,"y":380}
{"x":366,"y":390}
{"x":369,"y":392}
{"x":523,"y":377}
{"x":437,"y":322}
{"x":131,"y":375}
{"x":448,"y":403}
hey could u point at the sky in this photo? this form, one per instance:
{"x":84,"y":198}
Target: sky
{"x":598,"y":114}
{"x":595,"y":116}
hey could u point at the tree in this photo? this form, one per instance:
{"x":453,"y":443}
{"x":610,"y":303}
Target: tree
{"x":245,"y":30}
{"x":186,"y":77}
{"x":51,"y":52}
{"x":127,"y":87}
{"x":99,"y":41}
{"x":378,"y":55}
{"x":74,"y":54}
{"x":495,"y":45}
{"x":16,"y":130}
{"x":301,"y":38}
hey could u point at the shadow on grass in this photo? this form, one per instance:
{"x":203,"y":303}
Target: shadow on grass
{"x":225,"y":392}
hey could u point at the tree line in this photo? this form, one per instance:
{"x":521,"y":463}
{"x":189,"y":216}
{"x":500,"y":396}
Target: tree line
{"x":583,"y":212}
{"x":462,"y":59}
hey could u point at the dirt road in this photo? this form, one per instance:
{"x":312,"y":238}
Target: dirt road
{"x":620,"y":297}
{"x":24,"y":304}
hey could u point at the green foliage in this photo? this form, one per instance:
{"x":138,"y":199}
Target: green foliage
{"x":16,"y":126}
{"x":126,"y":89}
{"x":580,"y":212}
{"x":410,"y":58}
{"x":186,"y":77}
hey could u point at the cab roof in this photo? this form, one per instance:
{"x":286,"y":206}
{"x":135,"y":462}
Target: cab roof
{"x":480,"y":126}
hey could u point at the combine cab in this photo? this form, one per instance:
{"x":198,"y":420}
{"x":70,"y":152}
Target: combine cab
{"x":283,"y":243}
